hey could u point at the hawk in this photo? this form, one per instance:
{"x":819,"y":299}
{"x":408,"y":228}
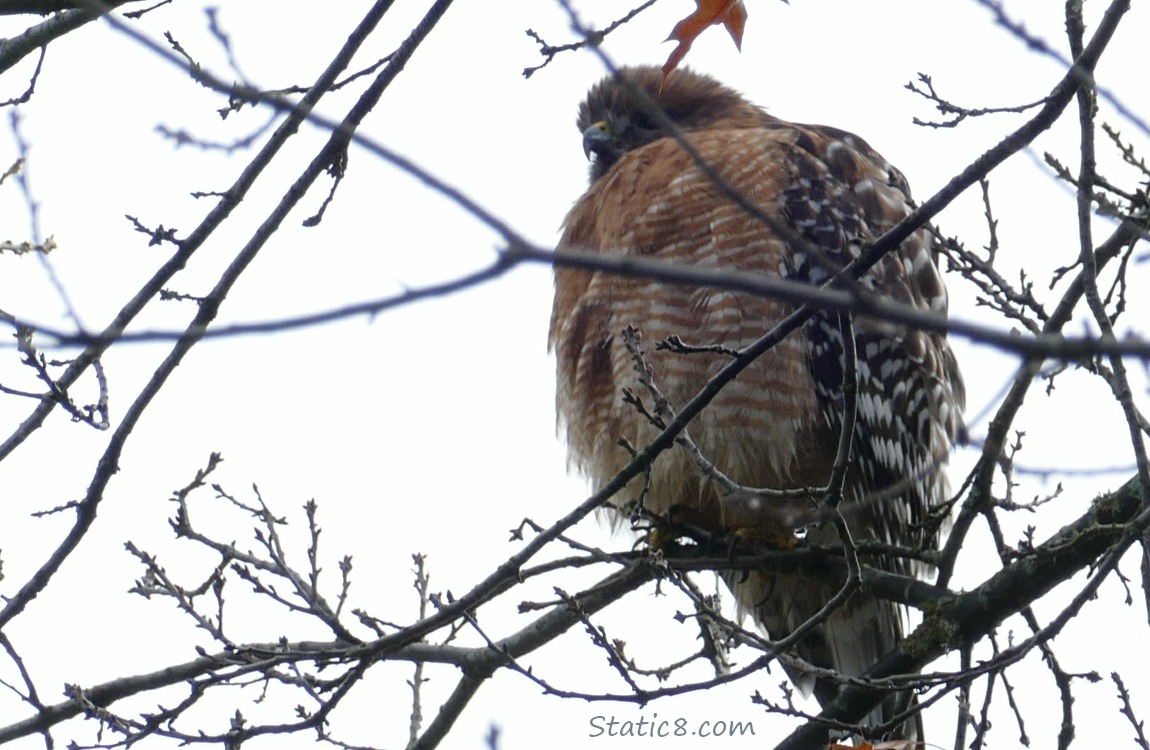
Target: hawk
{"x":821,"y":195}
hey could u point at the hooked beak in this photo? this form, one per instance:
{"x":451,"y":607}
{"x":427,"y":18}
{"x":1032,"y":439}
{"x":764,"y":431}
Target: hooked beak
{"x":597,"y":138}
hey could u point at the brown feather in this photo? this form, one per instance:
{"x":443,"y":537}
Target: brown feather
{"x":825,"y":194}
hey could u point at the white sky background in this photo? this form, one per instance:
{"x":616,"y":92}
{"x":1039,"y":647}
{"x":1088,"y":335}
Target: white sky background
{"x":430,"y":428}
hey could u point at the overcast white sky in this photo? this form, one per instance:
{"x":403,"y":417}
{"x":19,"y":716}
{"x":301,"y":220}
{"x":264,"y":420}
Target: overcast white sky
{"x":430,"y":428}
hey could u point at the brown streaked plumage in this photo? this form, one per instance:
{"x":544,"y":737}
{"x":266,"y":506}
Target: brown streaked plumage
{"x":825,"y":193}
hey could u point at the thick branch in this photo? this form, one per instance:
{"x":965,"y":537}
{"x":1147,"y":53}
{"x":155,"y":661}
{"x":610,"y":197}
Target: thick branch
{"x":965,"y":618}
{"x":69,"y":17}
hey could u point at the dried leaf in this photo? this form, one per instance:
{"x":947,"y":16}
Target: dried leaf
{"x":729,"y":13}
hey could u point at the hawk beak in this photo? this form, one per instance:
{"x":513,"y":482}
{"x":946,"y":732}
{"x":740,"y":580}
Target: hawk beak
{"x":596,"y":138}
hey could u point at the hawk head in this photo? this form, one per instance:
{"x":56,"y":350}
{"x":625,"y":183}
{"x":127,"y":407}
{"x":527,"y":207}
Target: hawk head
{"x":620,"y":113}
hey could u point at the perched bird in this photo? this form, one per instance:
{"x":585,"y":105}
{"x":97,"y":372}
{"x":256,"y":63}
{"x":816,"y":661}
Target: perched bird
{"x":822,"y":195}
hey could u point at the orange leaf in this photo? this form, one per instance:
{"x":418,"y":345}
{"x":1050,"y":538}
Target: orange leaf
{"x":729,"y":13}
